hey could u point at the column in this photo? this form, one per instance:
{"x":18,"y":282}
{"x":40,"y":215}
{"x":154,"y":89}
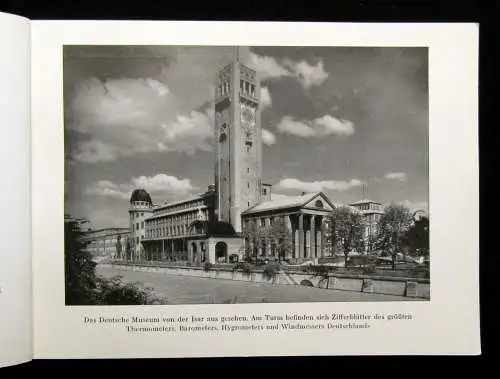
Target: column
{"x":288,"y":223}
{"x":301,"y":236}
{"x":162,"y":250}
{"x":313,"y":237}
{"x":269,"y":238}
{"x":318,"y":237}
{"x":322,"y":237}
{"x":190,"y":253}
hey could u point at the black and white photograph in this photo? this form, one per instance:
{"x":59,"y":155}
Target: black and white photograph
{"x":245,"y":174}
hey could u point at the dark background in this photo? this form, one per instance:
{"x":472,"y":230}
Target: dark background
{"x":485,"y":13}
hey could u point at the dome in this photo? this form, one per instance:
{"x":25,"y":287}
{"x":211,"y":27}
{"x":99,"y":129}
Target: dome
{"x":140,"y":195}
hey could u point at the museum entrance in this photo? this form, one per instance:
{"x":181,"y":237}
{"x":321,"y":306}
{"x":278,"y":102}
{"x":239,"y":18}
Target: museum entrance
{"x":221,"y":252}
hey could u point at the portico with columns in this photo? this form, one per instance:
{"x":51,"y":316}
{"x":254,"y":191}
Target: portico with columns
{"x":304,"y":217}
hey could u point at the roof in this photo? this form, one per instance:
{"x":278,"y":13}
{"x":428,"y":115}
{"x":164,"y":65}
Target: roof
{"x":285,"y":202}
{"x":212,"y":228}
{"x":365,"y":201}
{"x":187,"y":200}
{"x":140,"y":195}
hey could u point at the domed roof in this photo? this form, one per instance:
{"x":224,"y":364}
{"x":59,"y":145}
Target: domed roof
{"x":140,"y":195}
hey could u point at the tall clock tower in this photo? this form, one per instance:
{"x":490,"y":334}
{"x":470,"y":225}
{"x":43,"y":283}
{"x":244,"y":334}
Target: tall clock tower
{"x":239,"y":141}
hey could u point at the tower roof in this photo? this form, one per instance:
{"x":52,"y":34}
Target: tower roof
{"x":242,"y":55}
{"x":140,"y":195}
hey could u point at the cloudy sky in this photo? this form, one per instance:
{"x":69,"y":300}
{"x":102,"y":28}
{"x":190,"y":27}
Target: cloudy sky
{"x":333,"y":119}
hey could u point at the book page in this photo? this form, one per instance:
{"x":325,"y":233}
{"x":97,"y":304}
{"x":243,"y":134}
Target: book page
{"x":239,"y":189}
{"x":15,"y":190}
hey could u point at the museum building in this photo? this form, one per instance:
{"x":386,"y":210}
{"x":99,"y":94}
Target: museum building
{"x":214,"y":225}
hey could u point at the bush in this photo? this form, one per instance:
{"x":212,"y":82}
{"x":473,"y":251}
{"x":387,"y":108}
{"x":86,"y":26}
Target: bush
{"x":271,"y":270}
{"x":420,"y":272}
{"x":114,"y":292}
{"x":207,"y":266}
{"x":319,"y":270}
{"x":369,"y":269}
{"x":245,"y":268}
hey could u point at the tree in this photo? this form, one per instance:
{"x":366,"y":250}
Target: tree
{"x":83,"y":286}
{"x":418,"y":237}
{"x":281,"y":236}
{"x":80,"y":279}
{"x":255,"y":236}
{"x":128,"y":250}
{"x":118,"y":247}
{"x":392,"y":228}
{"x":346,"y":230}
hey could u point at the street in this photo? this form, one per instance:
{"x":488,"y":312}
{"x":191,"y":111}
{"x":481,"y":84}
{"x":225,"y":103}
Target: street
{"x":194,"y":290}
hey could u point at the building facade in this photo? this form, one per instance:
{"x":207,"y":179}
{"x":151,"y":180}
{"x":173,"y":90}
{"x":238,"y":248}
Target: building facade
{"x":371,"y":211}
{"x":109,"y":243}
{"x":238,"y":132}
{"x":303,"y":220}
{"x":216,"y":226}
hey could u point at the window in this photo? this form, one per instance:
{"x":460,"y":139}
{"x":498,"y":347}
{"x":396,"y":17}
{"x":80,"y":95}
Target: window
{"x":142,"y":225}
{"x":248,"y":184}
{"x":248,"y":204}
{"x":137,"y":226}
{"x":248,"y":169}
{"x":142,"y":214}
{"x":264,"y":191}
{"x":132,"y":227}
{"x":137,"y":240}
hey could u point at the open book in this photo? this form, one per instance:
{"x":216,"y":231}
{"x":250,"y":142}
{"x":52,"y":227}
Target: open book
{"x":199,"y":189}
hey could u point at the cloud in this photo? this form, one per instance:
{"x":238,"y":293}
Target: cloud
{"x":417,"y":205}
{"x":160,"y":111}
{"x":292,"y":183}
{"x":401,"y":176}
{"x":307,"y":74}
{"x":268,"y":67}
{"x":265,"y":97}
{"x":160,"y":185}
{"x":268,"y":137}
{"x":106,"y":188}
{"x":123,"y":117}
{"x":320,"y":127}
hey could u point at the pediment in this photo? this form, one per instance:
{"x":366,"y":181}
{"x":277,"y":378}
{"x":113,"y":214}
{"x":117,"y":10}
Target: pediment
{"x":320,"y":202}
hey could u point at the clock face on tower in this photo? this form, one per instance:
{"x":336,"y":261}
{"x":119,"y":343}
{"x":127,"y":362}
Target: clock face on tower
{"x":247,"y":115}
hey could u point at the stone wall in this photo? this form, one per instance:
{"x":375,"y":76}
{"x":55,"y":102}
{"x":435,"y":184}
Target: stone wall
{"x":388,"y":286}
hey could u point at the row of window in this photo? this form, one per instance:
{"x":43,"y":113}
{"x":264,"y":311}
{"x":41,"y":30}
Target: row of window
{"x":134,"y":215}
{"x":369,"y":206}
{"x":246,"y":88}
{"x":102,"y":242}
{"x":167,"y":231}
{"x":187,"y":217}
{"x":142,"y":203}
{"x":136,"y":226}
{"x":180,"y":207}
